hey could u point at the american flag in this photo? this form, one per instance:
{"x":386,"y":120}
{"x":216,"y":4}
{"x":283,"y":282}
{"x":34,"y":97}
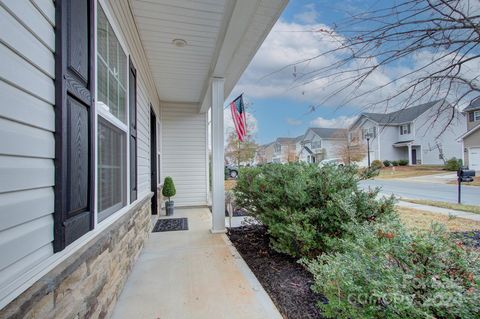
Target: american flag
{"x":239,"y":117}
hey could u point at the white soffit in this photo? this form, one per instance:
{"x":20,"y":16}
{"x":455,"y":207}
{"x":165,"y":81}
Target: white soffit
{"x":222,"y":37}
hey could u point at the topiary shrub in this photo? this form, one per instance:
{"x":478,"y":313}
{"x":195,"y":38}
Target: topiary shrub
{"x":403,"y":162}
{"x":394,"y":163}
{"x":376,"y":164}
{"x":383,"y":270}
{"x":168,"y":189}
{"x":304,"y":206}
{"x":453,"y":164}
{"x":387,"y":163}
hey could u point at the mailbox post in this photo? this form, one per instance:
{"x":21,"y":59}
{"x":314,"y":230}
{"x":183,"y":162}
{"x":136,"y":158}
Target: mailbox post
{"x":463,"y":175}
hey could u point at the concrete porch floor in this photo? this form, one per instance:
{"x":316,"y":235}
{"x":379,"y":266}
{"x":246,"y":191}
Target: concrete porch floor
{"x":192,"y":274}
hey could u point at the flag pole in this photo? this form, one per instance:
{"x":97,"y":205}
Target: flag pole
{"x":233,"y":100}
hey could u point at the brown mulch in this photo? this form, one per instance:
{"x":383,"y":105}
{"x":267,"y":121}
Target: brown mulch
{"x":286,"y":281}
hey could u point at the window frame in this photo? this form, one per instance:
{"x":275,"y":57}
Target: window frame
{"x":111,"y":119}
{"x":475,"y":117}
{"x":405,"y":129}
{"x":318,"y":144}
{"x":277,"y":147}
{"x":159,"y":148}
{"x":370,"y":130}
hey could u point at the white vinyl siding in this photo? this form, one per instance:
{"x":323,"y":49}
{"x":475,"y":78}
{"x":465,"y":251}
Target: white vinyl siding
{"x":27,"y":144}
{"x":27,"y":125}
{"x":184,"y":152}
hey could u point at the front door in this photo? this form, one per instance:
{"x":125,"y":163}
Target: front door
{"x":153,"y":161}
{"x":414,"y":156}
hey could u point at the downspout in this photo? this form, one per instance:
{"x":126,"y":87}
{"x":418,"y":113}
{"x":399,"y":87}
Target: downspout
{"x":378,"y":142}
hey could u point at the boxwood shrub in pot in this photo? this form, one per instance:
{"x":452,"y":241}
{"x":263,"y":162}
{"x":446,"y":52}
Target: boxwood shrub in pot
{"x":304,"y":206}
{"x":169,"y":191}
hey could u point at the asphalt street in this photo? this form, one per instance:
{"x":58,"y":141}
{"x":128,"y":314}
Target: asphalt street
{"x":422,"y":190}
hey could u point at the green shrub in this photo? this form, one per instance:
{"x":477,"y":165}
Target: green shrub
{"x":168,"y":189}
{"x":304,"y":206}
{"x":453,"y":164}
{"x":383,"y":270}
{"x":387,"y":163}
{"x":394,"y":163}
{"x":403,"y":162}
{"x":377,"y":164}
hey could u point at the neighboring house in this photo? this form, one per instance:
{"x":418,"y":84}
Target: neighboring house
{"x":298,"y":145}
{"x":264,"y":154}
{"x":418,"y":134}
{"x":99,"y":101}
{"x":320,"y":143}
{"x":471,"y":139}
{"x":284,"y":150}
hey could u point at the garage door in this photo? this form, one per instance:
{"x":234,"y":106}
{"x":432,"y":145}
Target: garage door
{"x":474,"y":158}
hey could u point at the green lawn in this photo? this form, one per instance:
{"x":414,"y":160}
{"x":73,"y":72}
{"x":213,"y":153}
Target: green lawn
{"x":409,"y":171}
{"x":465,"y":208}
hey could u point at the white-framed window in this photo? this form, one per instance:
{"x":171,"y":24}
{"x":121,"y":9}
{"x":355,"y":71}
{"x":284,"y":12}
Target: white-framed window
{"x":476,"y":115}
{"x":371,"y":131}
{"x":353,"y":137}
{"x":316,"y":144}
{"x":112,"y":119}
{"x":277,"y":147}
{"x":405,"y":129}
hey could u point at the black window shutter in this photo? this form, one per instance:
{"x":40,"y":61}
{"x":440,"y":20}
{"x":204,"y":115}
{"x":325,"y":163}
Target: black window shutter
{"x":471,"y":116}
{"x":133,"y":131}
{"x":74,"y":118}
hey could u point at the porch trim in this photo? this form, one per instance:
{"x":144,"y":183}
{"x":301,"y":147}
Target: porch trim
{"x":218,"y":152}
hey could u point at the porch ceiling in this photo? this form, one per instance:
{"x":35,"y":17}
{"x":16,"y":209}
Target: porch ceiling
{"x":222,"y":37}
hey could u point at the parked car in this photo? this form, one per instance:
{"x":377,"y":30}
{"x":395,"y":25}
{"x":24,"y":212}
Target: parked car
{"x":231,"y":171}
{"x":331,"y":161}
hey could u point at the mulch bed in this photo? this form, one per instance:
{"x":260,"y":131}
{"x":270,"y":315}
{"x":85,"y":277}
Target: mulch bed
{"x":286,"y":281}
{"x":471,"y":238}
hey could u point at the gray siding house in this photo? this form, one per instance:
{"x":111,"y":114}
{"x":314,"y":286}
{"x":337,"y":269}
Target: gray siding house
{"x":319,"y":143}
{"x":99,"y":101}
{"x":420,"y":134}
{"x":471,"y":138}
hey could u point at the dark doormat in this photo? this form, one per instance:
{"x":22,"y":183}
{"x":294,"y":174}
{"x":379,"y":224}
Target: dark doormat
{"x":171,"y":224}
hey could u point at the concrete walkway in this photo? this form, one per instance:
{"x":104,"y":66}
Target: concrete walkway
{"x":192,"y":274}
{"x":441,"y":211}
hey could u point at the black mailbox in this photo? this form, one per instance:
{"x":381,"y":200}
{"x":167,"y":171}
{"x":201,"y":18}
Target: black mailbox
{"x":465,"y":173}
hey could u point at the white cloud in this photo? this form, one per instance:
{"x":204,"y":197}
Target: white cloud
{"x":338,"y":122}
{"x":288,"y":43}
{"x":294,"y":122}
{"x":291,"y":42}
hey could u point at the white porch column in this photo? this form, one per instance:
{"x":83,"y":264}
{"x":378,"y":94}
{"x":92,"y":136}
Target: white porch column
{"x":218,"y":162}
{"x":409,"y":154}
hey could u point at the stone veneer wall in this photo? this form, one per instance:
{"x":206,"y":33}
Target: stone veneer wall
{"x":88,"y":283}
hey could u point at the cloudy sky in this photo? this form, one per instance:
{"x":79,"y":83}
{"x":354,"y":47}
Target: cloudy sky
{"x":278,"y":106}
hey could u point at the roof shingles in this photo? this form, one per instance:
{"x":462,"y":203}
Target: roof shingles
{"x":401,"y":116}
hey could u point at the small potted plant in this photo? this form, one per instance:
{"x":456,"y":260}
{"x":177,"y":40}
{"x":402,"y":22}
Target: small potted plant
{"x":168,"y":191}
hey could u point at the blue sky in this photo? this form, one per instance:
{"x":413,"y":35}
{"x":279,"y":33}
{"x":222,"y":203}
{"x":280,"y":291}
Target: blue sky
{"x":280,"y":113}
